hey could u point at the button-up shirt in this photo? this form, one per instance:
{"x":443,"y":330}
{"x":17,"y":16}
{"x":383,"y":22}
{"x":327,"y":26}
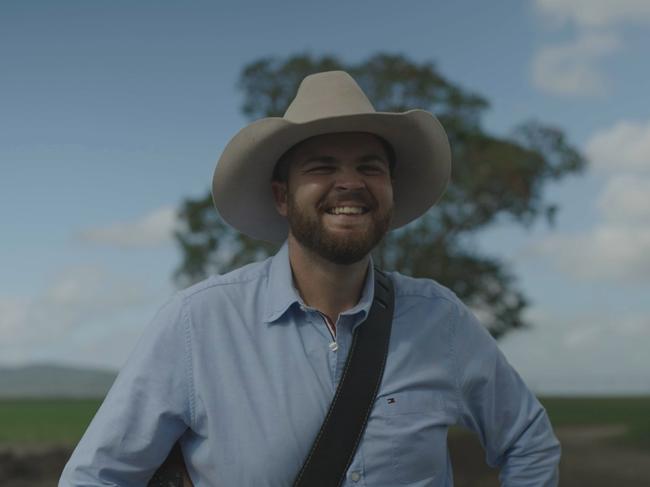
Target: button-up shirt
{"x":241,"y":371}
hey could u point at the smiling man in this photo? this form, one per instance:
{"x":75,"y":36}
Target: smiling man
{"x":313,"y":367}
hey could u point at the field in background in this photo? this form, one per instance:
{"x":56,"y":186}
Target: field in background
{"x":49,"y":421}
{"x":63,"y":421}
{"x":630,"y":414}
{"x":605,"y":442}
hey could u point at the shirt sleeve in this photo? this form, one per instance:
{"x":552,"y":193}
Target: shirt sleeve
{"x":146,"y":410}
{"x":494,"y":402}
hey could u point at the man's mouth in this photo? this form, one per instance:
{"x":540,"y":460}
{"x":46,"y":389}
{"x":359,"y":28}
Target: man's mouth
{"x":347,"y":210}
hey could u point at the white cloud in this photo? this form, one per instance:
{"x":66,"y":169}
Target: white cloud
{"x":595,"y":13}
{"x":618,"y":246}
{"x":583,"y":353}
{"x":153,"y":229}
{"x":14,"y":312}
{"x":571,"y":69}
{"x":581,"y":337}
{"x":78,"y":300}
{"x":626,"y":200}
{"x":609,"y":251}
{"x":623,"y":146}
{"x":83,"y":293}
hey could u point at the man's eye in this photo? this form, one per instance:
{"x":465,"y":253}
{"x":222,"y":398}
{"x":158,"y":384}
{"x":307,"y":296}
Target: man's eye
{"x":319,"y":169}
{"x":371,"y":169}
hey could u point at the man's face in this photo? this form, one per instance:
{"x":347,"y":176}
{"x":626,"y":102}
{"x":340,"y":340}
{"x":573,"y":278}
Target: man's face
{"x":338,"y":197}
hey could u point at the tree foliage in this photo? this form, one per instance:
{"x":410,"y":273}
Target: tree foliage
{"x":492,"y":178}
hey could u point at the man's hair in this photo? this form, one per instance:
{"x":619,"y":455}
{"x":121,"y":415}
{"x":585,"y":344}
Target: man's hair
{"x":281,"y":169}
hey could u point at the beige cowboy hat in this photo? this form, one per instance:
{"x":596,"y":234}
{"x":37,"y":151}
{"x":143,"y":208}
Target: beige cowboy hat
{"x":329,"y":102}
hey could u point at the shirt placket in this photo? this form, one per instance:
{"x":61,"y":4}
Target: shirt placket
{"x":334,"y":347}
{"x":318,"y":321}
{"x":339,"y":347}
{"x":343,"y":340}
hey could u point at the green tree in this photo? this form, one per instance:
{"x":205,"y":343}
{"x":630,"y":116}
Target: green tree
{"x":492,"y":178}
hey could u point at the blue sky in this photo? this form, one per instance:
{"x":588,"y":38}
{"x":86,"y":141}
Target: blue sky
{"x":111,"y":113}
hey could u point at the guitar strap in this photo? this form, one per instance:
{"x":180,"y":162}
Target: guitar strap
{"x":341,"y":431}
{"x":340,"y":434}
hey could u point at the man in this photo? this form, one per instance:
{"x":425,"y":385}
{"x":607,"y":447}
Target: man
{"x":241,"y":368}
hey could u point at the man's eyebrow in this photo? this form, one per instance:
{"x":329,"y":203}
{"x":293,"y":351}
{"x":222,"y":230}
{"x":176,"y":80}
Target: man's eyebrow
{"x":373,"y":157}
{"x":323,"y":159}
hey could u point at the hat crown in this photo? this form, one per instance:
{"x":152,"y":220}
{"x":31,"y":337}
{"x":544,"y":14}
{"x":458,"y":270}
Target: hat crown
{"x":328,"y":94}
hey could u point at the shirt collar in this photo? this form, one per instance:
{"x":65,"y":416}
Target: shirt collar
{"x":281,"y":293}
{"x":362,"y":308}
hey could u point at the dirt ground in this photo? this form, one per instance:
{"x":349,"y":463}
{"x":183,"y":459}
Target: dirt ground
{"x":588,"y":459}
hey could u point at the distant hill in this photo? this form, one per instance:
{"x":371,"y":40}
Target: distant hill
{"x":45,"y":380}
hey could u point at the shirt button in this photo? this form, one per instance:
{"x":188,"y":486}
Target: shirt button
{"x":334,"y":346}
{"x":355,"y":476}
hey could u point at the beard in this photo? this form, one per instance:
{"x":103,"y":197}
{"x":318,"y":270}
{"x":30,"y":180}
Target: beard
{"x":309,"y":231}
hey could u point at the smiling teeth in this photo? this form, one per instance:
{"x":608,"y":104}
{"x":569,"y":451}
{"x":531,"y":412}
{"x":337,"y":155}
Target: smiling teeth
{"x":346,"y":210}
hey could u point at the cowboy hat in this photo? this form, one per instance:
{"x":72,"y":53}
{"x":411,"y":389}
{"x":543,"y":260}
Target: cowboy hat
{"x":329,"y":102}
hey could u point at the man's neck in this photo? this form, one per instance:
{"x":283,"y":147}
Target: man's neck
{"x":328,"y":287}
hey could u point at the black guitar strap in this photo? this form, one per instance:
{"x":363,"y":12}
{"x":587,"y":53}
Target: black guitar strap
{"x":340,"y":434}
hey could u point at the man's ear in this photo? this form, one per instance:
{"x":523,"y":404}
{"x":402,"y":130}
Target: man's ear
{"x":280,"y":196}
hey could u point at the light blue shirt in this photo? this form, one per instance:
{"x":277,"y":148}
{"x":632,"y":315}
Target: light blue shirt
{"x":242,"y":372}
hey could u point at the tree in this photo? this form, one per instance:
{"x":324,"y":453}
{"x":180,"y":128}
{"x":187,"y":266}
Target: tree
{"x":492,"y":178}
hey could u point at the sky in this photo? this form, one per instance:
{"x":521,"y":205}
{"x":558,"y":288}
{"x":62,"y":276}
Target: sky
{"x":114,"y":112}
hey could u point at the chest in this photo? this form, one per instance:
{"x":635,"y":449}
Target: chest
{"x":261,"y":398}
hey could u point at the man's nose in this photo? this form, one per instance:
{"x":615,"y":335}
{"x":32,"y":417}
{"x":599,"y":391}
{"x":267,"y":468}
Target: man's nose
{"x":349,"y":179}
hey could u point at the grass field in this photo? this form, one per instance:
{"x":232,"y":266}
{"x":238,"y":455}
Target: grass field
{"x":64,"y":420}
{"x":632,"y":412}
{"x":45,"y":420}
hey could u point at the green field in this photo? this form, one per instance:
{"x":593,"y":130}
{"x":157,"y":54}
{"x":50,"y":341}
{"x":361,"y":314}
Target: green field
{"x":632,"y":412}
{"x":64,"y":420}
{"x":45,"y":420}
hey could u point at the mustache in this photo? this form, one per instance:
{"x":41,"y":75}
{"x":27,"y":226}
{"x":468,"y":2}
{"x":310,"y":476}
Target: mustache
{"x":361,"y":197}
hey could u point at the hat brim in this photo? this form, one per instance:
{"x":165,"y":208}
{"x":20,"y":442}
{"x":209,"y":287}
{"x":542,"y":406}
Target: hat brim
{"x":241,"y":185}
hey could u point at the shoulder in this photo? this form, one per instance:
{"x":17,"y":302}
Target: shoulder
{"x":436,"y":300}
{"x":424,"y":289}
{"x":236,"y":281}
